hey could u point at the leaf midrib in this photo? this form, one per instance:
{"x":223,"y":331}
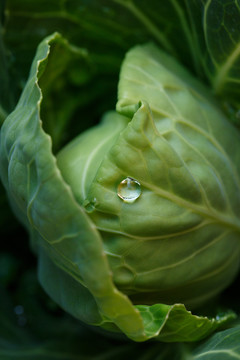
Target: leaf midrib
{"x":214,"y":215}
{"x":221,"y":77}
{"x":230,"y":352}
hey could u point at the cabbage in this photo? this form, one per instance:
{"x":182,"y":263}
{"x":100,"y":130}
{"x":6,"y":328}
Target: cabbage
{"x":119,"y":264}
{"x":134,"y":218}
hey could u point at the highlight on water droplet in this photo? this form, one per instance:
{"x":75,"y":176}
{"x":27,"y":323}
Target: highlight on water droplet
{"x":129,"y":190}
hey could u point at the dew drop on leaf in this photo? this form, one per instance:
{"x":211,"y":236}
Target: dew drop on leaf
{"x":129,"y":190}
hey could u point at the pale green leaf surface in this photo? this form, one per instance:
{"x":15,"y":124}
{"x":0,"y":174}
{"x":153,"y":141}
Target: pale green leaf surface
{"x":91,"y":156}
{"x":182,"y":113}
{"x":179,"y":214}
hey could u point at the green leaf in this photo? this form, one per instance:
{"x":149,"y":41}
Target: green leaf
{"x":107,"y":29}
{"x":61,"y":85}
{"x":33,"y":181}
{"x":222,"y":34}
{"x":224,"y":345}
{"x":176,"y":324}
{"x":116,"y":23}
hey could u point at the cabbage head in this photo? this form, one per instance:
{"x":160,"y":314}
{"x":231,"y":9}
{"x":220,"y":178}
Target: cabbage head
{"x":135,"y":222}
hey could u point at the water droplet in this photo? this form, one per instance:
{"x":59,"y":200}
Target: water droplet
{"x":90,"y":205}
{"x":129,"y":190}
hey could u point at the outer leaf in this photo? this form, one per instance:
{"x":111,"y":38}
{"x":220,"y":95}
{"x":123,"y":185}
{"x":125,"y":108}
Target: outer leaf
{"x":176,"y":324}
{"x":222,"y":34}
{"x":107,"y":29}
{"x":224,"y":345}
{"x":36,"y":190}
{"x":62,"y":85}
